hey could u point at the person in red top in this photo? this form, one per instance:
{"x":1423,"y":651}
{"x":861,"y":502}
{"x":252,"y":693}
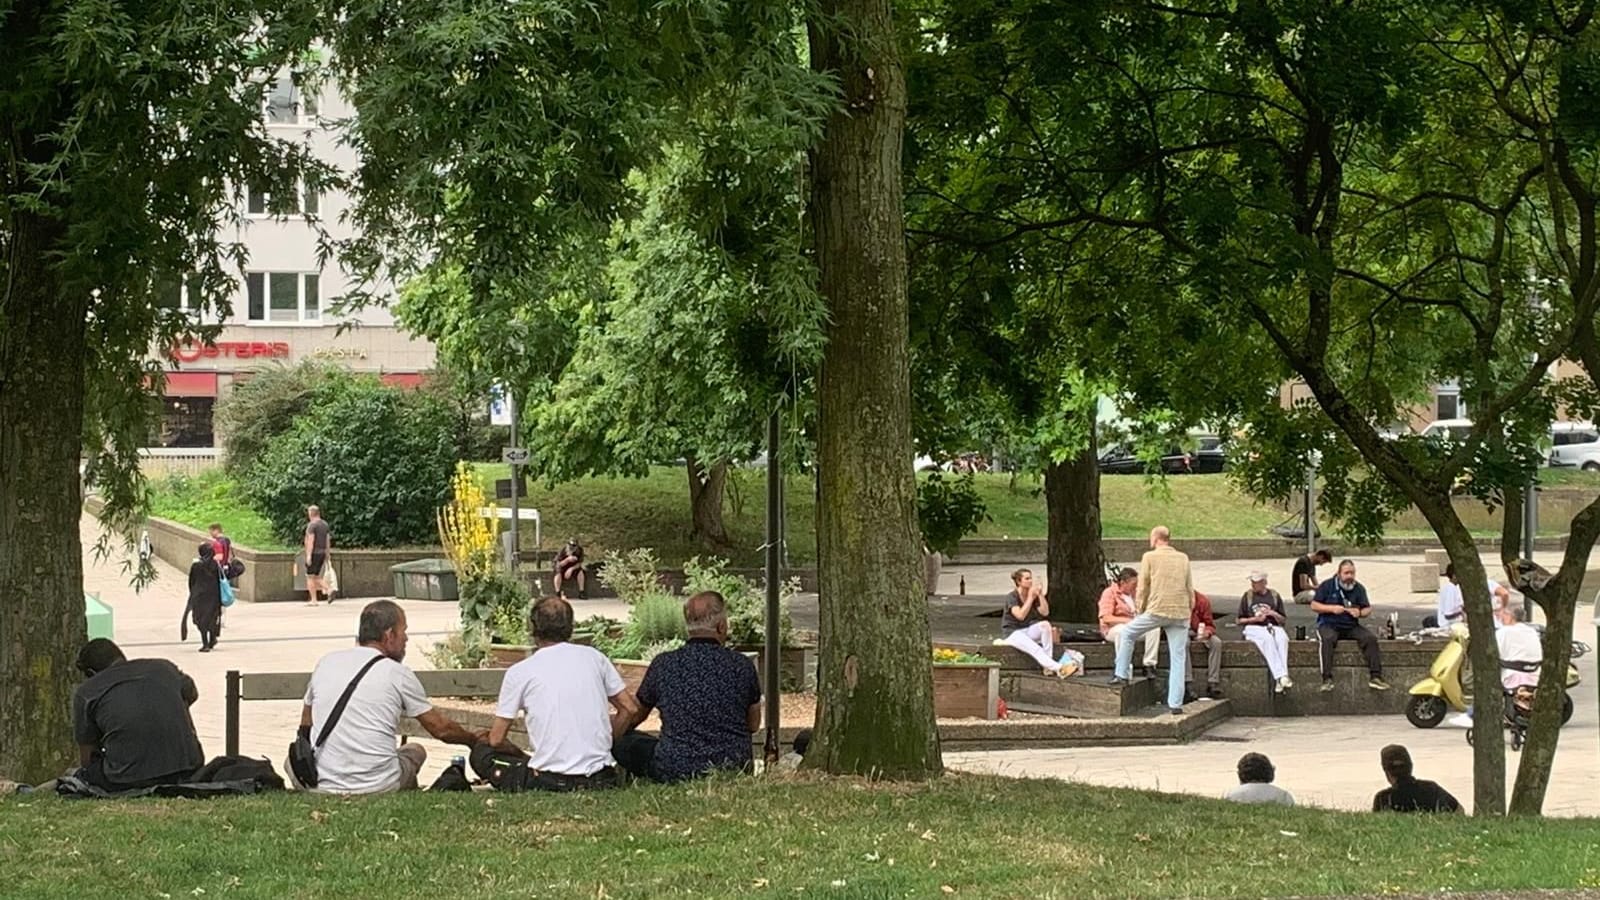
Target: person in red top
{"x":1116,"y":611}
{"x":1203,"y":628}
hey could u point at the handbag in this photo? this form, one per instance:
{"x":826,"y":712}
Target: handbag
{"x":303,"y":753}
{"x":228,"y":595}
{"x":330,"y":579}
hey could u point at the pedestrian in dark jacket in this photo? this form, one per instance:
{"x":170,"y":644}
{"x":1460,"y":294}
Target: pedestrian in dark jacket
{"x":205,"y":596}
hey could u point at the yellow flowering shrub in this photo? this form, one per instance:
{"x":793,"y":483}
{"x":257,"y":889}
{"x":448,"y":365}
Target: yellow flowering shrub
{"x":470,"y":539}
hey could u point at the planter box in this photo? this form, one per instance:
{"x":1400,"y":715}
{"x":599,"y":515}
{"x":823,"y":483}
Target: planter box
{"x":425,"y":579}
{"x":632,"y":672}
{"x":966,"y":690}
{"x":98,"y":615}
{"x":797,"y":666}
{"x":504,"y":656}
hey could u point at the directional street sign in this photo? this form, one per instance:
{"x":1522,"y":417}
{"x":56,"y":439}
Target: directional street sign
{"x":517,"y":456}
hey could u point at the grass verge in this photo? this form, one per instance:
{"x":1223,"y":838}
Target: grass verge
{"x":653,"y":511}
{"x":964,"y":836}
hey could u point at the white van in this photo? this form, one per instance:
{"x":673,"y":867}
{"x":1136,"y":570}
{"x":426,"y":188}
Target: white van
{"x":1448,"y":429}
{"x":1576,"y":444}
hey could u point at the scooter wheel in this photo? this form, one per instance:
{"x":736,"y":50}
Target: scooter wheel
{"x":1566,"y":708}
{"x":1469,"y":737}
{"x":1424,"y":711}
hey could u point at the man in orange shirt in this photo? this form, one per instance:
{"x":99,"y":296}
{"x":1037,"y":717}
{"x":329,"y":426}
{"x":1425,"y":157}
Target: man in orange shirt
{"x":1203,"y":628}
{"x":1116,"y":611}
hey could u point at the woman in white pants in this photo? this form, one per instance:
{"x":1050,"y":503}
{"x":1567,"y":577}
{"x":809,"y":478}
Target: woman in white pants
{"x":1024,"y":623}
{"x":1262,"y":617}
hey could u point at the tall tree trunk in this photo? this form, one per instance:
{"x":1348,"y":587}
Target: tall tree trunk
{"x":1074,"y":556}
{"x":875,"y":678}
{"x":42,"y":360}
{"x":1510,"y":524}
{"x":1489,"y":750}
{"x":1559,"y":600}
{"x":706,"y":487}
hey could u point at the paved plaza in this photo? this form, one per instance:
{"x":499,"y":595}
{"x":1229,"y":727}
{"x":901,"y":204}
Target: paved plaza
{"x":1324,"y":761}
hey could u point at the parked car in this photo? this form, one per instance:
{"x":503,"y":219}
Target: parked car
{"x":1575,"y":444}
{"x":1448,"y":429}
{"x":1120,"y":459}
{"x":1209,"y":455}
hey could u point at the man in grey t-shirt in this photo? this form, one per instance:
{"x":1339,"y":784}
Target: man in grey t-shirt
{"x":316,"y":549}
{"x":1255,"y":783}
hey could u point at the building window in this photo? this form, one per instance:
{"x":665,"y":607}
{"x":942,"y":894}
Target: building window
{"x":284,"y":296}
{"x":287,"y":105}
{"x":185,"y":422}
{"x":184,"y":296}
{"x":1450,"y":406}
{"x":306,"y":199}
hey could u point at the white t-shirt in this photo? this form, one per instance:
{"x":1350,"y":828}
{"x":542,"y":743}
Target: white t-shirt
{"x":1451,"y":603}
{"x":564,"y":690}
{"x":361,"y":755}
{"x":1519,"y":643}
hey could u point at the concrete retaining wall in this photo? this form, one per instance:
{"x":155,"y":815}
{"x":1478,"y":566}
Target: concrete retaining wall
{"x":997,"y":552}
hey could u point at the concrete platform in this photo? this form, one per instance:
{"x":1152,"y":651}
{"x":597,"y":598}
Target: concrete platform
{"x":1082,"y":697}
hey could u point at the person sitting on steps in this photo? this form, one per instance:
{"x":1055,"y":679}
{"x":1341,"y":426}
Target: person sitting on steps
{"x":1341,"y":603}
{"x":1203,"y":630}
{"x":569,"y":567}
{"x":1024,"y":623}
{"x":1116,"y":611}
{"x":1265,"y":624}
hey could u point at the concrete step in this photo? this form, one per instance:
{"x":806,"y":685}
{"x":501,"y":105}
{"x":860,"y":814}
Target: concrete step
{"x":1084,"y":697}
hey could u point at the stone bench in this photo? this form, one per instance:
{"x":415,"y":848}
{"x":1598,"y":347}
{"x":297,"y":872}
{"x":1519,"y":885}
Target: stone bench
{"x":1424,"y":578}
{"x":1244,"y":676}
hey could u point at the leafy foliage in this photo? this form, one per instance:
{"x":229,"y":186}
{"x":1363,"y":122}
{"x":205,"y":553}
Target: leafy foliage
{"x":948,"y":510}
{"x":656,"y":618}
{"x":633,"y":574}
{"x":494,"y":606}
{"x":746,"y":600}
{"x":377,"y":460}
{"x":469,"y":538}
{"x":253,"y":412}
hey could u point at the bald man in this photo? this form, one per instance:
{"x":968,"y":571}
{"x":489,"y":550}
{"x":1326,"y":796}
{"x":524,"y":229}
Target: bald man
{"x":709,"y":698}
{"x":1164,"y":600}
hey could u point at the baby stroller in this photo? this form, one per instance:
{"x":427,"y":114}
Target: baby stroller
{"x":1518,"y":706}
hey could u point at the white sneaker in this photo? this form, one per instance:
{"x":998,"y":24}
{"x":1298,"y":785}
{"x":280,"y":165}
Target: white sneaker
{"x":1285,"y":683}
{"x":1278,"y":688}
{"x":1459,"y":720}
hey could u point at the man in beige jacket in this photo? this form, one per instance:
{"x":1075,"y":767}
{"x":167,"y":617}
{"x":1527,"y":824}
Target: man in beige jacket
{"x":1164,"y":600}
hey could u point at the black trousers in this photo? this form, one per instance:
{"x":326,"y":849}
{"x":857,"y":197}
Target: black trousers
{"x":1330,"y":635}
{"x":635,"y":752}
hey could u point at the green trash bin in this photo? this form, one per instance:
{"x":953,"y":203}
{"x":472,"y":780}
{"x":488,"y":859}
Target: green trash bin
{"x":99,"y":616}
{"x":425,"y":579}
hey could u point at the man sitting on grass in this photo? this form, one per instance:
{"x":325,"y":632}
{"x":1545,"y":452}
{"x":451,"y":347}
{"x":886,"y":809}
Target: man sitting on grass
{"x":131,"y":720}
{"x":1255,"y":783}
{"x":1407,"y":793}
{"x":360,"y":754}
{"x":709,"y":698}
{"x":566,"y":693}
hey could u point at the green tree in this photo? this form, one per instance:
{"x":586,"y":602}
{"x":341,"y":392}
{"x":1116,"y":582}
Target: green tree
{"x":127,"y":133}
{"x":1372,"y":189}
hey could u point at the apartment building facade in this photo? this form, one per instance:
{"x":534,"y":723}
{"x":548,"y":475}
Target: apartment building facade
{"x":281,"y":310}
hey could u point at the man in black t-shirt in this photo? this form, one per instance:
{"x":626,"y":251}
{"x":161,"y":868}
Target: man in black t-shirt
{"x":1406,"y":793}
{"x":709,"y":698}
{"x":131,"y":720}
{"x":1304,"y":579}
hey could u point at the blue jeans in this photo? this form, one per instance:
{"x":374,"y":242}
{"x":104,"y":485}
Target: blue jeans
{"x":1177,"y":650}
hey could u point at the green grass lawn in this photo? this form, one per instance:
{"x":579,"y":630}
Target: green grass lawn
{"x":622,"y":513}
{"x":964,"y":836}
{"x":210,"y":497}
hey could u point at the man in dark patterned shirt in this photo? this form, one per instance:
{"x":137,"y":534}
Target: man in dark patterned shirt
{"x":709,"y":698}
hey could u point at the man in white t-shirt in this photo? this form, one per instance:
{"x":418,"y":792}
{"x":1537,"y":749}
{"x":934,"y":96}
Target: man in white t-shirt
{"x":574,"y":703}
{"x":1452,"y":608}
{"x":361,"y":755}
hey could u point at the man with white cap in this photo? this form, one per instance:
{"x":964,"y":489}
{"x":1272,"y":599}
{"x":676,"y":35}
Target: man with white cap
{"x":1262,"y":617}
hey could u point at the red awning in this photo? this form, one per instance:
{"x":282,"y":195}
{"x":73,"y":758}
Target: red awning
{"x":402,"y":379}
{"x":191,"y":384}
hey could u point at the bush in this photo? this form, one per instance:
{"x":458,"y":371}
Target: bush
{"x":254,"y":412}
{"x":948,"y":511}
{"x":746,"y":600}
{"x":632,"y":575}
{"x":498,"y":603}
{"x":657,"y":618}
{"x":375,"y":459}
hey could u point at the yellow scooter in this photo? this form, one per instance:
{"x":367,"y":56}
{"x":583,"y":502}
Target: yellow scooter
{"x":1433,"y":697}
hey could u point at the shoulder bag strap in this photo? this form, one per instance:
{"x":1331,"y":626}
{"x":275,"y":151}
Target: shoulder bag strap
{"x":338,"y":708}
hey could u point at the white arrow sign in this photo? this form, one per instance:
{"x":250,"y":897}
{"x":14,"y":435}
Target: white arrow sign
{"x":517,"y":456}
